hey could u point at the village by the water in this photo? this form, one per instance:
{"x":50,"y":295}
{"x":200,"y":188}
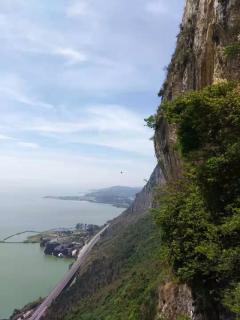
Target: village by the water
{"x":62,"y":242}
{"x":68,"y":242}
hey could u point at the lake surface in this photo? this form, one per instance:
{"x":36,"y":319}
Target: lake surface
{"x":25,"y":272}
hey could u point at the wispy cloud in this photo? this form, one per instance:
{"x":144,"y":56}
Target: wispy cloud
{"x":17,"y":142}
{"x":99,"y":118}
{"x":78,"y":8}
{"x":71,"y":55}
{"x":29,"y":145}
{"x":59,"y":171}
{"x":157,"y":7}
{"x":27,"y":37}
{"x":23,"y":99}
{"x":109,"y":126}
{"x":4,"y":137}
{"x":13,"y":87}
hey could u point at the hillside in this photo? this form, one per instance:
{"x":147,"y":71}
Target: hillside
{"x":118,"y":196}
{"x":181,"y":262}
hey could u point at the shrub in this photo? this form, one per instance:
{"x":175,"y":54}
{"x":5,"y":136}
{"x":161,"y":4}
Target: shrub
{"x":199,"y":215}
{"x":232,"y":50}
{"x":232,"y":299}
{"x":151,"y":122}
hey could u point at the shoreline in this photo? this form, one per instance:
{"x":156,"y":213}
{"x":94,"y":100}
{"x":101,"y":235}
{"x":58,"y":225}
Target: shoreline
{"x":49,"y":217}
{"x":83,"y":199}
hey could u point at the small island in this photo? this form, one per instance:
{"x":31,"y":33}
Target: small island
{"x":118,"y":196}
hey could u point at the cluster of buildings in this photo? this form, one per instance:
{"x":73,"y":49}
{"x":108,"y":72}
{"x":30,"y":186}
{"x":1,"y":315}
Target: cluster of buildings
{"x":25,"y":315}
{"x":68,"y":243}
{"x":60,"y":248}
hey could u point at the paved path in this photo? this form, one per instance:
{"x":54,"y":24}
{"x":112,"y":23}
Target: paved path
{"x":40,"y":311}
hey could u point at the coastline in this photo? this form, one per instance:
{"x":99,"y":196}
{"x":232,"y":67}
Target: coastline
{"x":86,"y":199}
{"x":44,"y":271}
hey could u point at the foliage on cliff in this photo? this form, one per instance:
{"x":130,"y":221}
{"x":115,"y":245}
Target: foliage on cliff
{"x":199,"y":214}
{"x":232,"y":50}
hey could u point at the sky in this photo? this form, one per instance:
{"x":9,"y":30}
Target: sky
{"x":77,"y":79}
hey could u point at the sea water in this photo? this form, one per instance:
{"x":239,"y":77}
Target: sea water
{"x":25,"y":272}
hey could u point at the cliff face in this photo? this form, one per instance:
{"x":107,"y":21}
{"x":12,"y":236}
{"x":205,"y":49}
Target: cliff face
{"x":208,"y":28}
{"x":168,"y":158}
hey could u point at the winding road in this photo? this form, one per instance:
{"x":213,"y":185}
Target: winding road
{"x":67,"y":279}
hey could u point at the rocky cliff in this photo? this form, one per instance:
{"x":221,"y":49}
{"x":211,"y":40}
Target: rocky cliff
{"x":144,"y":199}
{"x":208,"y":30}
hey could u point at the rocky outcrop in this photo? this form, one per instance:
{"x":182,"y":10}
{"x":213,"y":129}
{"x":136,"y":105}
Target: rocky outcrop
{"x":168,"y":158}
{"x":207,"y":28}
{"x":175,"y":301}
{"x":144,"y":199}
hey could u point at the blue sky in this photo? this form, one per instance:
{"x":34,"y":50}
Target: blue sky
{"x":77,"y":79}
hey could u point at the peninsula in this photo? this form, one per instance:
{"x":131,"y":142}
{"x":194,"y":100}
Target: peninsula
{"x":118,"y":196}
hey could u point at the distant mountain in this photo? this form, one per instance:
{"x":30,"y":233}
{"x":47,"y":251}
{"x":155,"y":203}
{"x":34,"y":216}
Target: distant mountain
{"x":118,"y":196}
{"x":116,"y":191}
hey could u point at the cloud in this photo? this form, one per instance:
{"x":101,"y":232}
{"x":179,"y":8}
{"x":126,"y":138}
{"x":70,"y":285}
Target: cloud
{"x":79,"y":87}
{"x":18,"y":143}
{"x":141,"y":145}
{"x":25,"y":36}
{"x":13,"y":87}
{"x":3,"y":137}
{"x":29,"y":145}
{"x":100,"y":118}
{"x":110,"y":34}
{"x":56,"y":171}
{"x":72,"y":56}
{"x":10,"y":6}
{"x":157,"y":7}
{"x":106,"y":126}
{"x":78,"y":8}
{"x":23,"y":99}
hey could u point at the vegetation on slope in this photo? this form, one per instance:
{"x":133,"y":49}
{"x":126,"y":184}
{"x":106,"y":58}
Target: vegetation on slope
{"x":125,"y":286}
{"x":199,"y":215}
